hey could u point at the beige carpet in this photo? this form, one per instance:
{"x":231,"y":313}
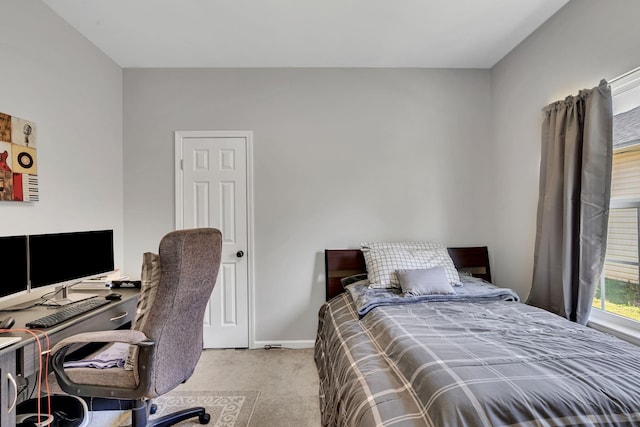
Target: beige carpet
{"x":283,"y":384}
{"x":286,"y":378}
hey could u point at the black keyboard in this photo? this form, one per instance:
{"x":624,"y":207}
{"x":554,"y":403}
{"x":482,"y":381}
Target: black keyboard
{"x":68,"y":312}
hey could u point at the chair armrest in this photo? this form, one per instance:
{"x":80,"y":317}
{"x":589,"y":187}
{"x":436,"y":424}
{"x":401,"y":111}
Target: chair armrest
{"x":145,"y":354}
{"x":119,"y":335}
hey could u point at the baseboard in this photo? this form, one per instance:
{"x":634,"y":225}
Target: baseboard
{"x":296,"y":344}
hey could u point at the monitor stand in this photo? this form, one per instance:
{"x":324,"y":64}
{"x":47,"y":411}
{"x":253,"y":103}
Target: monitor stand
{"x":64,"y":297}
{"x":22,"y":306}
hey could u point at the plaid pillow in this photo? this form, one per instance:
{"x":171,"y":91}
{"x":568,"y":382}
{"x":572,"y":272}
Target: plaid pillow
{"x":150,"y":279}
{"x":346,"y":281}
{"x":415,"y":246}
{"x":384,"y":259}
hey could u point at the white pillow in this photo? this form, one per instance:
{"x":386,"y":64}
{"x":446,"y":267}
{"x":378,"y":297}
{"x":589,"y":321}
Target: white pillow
{"x":384,"y":259}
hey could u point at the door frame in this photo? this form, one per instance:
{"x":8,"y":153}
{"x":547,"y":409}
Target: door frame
{"x":179,"y":200}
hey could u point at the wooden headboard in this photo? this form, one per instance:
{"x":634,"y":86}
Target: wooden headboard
{"x":339,"y":263}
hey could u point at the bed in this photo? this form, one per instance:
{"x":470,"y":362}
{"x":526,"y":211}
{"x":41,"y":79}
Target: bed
{"x":450,"y":363}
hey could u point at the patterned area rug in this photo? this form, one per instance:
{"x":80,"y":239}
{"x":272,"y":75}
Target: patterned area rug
{"x":227,"y":408}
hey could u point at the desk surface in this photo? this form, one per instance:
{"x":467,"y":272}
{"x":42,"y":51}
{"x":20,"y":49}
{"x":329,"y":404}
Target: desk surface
{"x":5,"y":341}
{"x":94,"y":320}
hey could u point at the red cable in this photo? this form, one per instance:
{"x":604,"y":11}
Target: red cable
{"x":46,"y":369}
{"x":40,"y":354}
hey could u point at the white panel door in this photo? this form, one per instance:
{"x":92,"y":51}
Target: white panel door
{"x":214,"y":194}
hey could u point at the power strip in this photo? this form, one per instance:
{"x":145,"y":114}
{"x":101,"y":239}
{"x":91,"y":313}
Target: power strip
{"x":92,"y":286}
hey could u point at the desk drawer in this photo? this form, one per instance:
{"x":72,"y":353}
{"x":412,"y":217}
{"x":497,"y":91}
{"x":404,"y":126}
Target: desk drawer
{"x":110,"y":317}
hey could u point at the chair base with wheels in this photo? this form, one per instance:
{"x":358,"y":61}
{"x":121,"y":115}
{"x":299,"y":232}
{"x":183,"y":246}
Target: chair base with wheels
{"x":140,"y":411}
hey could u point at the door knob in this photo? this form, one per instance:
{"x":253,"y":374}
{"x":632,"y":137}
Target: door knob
{"x":239,"y":254}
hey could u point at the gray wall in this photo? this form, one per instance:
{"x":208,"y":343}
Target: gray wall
{"x":51,"y":75}
{"x":586,"y":41}
{"x":340,"y":156}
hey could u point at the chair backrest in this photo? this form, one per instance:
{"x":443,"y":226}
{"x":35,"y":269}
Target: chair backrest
{"x":189,"y":262}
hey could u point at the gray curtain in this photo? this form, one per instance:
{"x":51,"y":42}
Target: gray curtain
{"x":573,"y":205}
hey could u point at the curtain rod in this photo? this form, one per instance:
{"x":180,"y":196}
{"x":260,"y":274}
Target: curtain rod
{"x":628,"y":73}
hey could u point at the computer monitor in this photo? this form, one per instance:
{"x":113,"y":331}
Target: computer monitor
{"x":13,"y":267}
{"x":64,"y":259}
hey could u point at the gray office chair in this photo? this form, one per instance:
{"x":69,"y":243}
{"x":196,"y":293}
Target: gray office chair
{"x":169,"y":342}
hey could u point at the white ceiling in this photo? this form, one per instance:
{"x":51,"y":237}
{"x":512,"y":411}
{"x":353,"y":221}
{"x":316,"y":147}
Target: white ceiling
{"x":306,"y":33}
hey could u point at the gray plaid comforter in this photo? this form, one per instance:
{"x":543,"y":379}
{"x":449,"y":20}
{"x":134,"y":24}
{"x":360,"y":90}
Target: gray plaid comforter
{"x":450,"y":364}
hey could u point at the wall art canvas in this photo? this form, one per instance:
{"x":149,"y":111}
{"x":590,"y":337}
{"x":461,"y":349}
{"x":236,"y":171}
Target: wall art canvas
{"x":18,"y":160}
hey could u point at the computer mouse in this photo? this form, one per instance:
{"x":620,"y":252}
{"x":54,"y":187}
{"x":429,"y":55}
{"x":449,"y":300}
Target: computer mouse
{"x":113,"y":296}
{"x":7,"y":322}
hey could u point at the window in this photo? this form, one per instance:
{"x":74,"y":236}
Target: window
{"x":619,"y":290}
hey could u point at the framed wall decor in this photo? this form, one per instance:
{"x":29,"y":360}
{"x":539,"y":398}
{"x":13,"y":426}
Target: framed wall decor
{"x":18,"y":160}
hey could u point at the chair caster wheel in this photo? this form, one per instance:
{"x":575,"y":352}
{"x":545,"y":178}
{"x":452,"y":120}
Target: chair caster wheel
{"x":153,"y":409}
{"x":204,"y":418}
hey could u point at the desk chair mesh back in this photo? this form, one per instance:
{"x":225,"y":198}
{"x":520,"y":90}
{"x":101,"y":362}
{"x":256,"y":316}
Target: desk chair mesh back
{"x":170,"y":341}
